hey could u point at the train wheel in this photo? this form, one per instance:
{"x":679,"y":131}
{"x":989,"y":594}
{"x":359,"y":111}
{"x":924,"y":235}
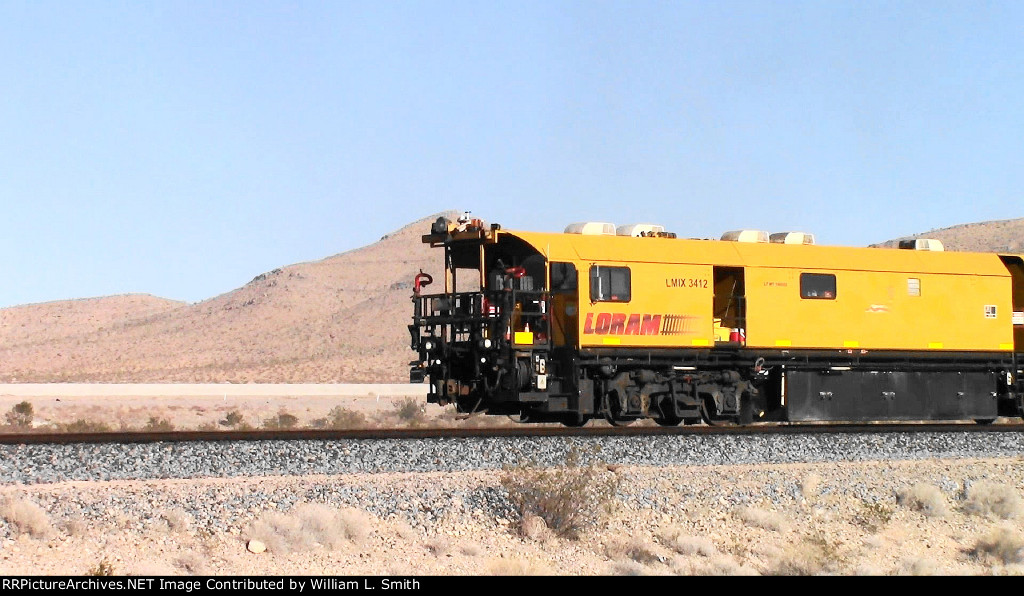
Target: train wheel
{"x":670,"y":420}
{"x":575,"y":421}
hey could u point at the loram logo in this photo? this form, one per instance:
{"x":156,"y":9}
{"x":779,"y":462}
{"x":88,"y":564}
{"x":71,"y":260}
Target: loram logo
{"x":607,"y":323}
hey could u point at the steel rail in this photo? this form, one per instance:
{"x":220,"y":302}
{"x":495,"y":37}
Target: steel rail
{"x":38,"y":438}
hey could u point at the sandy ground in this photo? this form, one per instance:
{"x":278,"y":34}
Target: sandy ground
{"x":192,"y":413}
{"x":791,"y":519}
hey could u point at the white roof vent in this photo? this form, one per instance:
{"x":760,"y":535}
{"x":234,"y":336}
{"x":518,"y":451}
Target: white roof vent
{"x":746,"y":236}
{"x":792,"y":238}
{"x":640,"y":230}
{"x":922,"y":244}
{"x":591,"y":228}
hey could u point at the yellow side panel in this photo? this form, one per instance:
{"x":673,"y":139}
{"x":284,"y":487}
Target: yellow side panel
{"x":670,"y":306}
{"x":875,"y":310}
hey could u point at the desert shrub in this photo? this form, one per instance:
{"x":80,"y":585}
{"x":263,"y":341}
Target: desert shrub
{"x":759,"y":518}
{"x":343,"y":418}
{"x":280,"y":421}
{"x":178,"y":520}
{"x":21,"y":415}
{"x":410,"y":411}
{"x":872,"y":516}
{"x":926,"y":498}
{"x":1001,"y":543}
{"x":232,"y":418}
{"x":569,"y":498}
{"x":102,"y":569}
{"x":85,"y":426}
{"x":25,"y":517}
{"x":988,"y":498}
{"x":158,"y":425}
{"x":308,"y":526}
{"x":810,"y":487}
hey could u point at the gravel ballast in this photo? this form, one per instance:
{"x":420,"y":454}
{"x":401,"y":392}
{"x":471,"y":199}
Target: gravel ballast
{"x":35,"y":464}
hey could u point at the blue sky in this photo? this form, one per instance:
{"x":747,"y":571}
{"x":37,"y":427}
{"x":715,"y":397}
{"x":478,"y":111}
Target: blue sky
{"x":181,"y":148}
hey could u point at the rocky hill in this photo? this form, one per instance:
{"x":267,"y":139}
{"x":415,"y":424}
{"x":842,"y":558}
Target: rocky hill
{"x":988,"y":236}
{"x":340,"y":319}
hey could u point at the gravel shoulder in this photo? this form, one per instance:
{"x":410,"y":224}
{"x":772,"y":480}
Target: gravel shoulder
{"x":871,"y":517}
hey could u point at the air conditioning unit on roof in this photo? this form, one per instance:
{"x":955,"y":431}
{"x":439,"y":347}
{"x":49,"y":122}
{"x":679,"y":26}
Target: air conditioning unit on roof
{"x":746,"y":236}
{"x":591,"y":228}
{"x":792,"y":238}
{"x":922,"y":244}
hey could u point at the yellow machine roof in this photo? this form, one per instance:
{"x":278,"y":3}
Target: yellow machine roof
{"x":602,"y":248}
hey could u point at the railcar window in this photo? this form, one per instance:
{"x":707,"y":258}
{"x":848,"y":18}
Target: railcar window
{"x":818,"y":286}
{"x":563,"y":277}
{"x":609,"y":284}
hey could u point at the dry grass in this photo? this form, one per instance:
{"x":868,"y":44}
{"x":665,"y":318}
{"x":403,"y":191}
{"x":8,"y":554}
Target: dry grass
{"x":926,"y":498}
{"x":688,"y":545}
{"x":810,"y":487}
{"x":635,"y":549}
{"x":803,"y":558}
{"x":759,"y":518}
{"x":503,"y":566}
{"x":86,"y":426}
{"x":75,"y":526}
{"x":991,"y":499}
{"x":439,"y":546}
{"x":25,"y":517}
{"x":1002,"y":544}
{"x":191,"y":563}
{"x":309,"y":526}
{"x":570,"y":499}
{"x":178,"y":520}
{"x":917,"y":566}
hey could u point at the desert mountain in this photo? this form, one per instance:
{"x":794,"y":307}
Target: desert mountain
{"x":340,"y":319}
{"x":988,"y":236}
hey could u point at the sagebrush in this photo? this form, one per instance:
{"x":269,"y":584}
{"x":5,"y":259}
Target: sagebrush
{"x":569,"y":498}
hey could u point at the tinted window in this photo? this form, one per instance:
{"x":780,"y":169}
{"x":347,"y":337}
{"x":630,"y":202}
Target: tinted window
{"x":818,"y":286}
{"x":609,"y":284}
{"x":563,"y":277}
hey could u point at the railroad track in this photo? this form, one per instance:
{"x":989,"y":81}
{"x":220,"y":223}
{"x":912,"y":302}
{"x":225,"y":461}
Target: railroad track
{"x":42,"y":459}
{"x":37,"y":438}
